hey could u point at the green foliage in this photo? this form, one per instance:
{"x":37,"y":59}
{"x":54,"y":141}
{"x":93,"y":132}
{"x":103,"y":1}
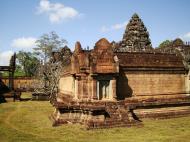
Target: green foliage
{"x":165,"y":44}
{"x":17,"y":73}
{"x":28,"y":121}
{"x":4,"y":74}
{"x":169,"y":43}
{"x":27,"y":63}
{"x":49,"y":70}
{"x":178,"y":42}
{"x":48,"y":43}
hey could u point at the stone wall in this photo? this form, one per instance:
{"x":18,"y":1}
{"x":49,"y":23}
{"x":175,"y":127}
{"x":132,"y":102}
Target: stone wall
{"x":187,"y":83}
{"x":24,"y":83}
{"x":138,"y":84}
{"x":66,"y":85}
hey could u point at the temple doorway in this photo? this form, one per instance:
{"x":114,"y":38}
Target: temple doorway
{"x":104,"y":89}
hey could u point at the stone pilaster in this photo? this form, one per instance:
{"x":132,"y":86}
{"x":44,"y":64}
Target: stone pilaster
{"x":114,"y":89}
{"x":76,"y":89}
{"x":94,"y":89}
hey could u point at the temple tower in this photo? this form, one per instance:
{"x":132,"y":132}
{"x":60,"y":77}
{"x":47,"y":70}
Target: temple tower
{"x":136,"y":36}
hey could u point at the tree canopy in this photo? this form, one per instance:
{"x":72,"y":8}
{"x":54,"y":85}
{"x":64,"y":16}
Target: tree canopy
{"x":165,"y":43}
{"x":54,"y":54}
{"x":27,"y":62}
{"x":178,"y":42}
{"x":48,"y":43}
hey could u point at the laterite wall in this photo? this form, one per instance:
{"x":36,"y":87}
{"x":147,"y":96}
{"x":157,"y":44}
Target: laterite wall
{"x":20,"y":82}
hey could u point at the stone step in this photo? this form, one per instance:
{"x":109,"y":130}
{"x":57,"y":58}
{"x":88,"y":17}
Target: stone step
{"x":168,"y":112}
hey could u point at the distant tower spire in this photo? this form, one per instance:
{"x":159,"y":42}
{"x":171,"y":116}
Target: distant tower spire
{"x":136,"y":35}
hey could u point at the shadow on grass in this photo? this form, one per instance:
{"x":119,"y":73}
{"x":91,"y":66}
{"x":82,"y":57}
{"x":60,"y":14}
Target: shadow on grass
{"x":135,"y":116}
{"x":25,"y":99}
{"x":2,"y":99}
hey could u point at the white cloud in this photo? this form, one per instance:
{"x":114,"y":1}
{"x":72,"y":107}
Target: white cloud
{"x":57,"y":12}
{"x":24,"y":42}
{"x":186,"y":36}
{"x":5,"y":57}
{"x":119,"y":26}
{"x":113,"y":27}
{"x":104,"y":29}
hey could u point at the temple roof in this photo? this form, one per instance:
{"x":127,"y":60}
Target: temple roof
{"x":103,"y":43}
{"x":150,"y":60}
{"x":136,"y":35}
{"x":78,"y":47}
{"x":135,"y":15}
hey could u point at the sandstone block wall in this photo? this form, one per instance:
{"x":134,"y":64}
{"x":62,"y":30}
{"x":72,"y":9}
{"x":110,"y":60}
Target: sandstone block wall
{"x":187,"y":83}
{"x":138,"y":84}
{"x":66,"y":85}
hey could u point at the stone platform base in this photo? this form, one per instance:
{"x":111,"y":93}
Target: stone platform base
{"x":161,"y":107}
{"x":163,"y":113}
{"x":95,"y":115}
{"x":125,"y":113}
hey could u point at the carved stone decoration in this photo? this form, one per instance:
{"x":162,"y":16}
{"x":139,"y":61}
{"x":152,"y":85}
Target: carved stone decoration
{"x":78,"y":48}
{"x":136,"y":36}
{"x":102,"y":44}
{"x":79,"y":60}
{"x":103,"y":58}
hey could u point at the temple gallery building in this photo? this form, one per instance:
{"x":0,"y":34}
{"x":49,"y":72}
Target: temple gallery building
{"x":118,"y":84}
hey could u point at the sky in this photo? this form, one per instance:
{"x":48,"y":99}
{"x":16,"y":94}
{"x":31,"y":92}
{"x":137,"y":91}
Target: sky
{"x":24,"y":21}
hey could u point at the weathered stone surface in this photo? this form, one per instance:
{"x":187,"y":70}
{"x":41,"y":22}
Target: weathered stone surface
{"x":136,"y":36}
{"x":150,"y":83}
{"x":95,"y":114}
{"x":150,"y":60}
{"x":103,"y":114}
{"x":116,"y":84}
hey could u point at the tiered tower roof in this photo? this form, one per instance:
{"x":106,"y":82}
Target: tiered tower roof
{"x":136,"y":36}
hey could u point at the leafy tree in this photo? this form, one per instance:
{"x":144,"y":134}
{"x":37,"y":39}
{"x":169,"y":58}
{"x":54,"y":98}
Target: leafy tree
{"x":19,"y":70}
{"x":53,"y":53}
{"x":178,"y":42}
{"x":48,"y":43}
{"x":165,"y":43}
{"x":27,"y":62}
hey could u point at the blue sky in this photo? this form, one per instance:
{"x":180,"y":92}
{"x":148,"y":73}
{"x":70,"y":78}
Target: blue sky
{"x":24,"y":21}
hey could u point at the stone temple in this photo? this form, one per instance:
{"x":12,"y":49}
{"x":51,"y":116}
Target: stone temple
{"x":136,"y":36}
{"x":118,"y":84}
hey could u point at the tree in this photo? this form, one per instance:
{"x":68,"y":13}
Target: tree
{"x":52,"y":51}
{"x":48,"y":43}
{"x":165,"y":43}
{"x":27,"y":62}
{"x":178,"y":42}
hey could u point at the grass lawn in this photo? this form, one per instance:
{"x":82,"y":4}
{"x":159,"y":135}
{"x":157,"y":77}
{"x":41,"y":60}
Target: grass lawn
{"x":28,"y":121}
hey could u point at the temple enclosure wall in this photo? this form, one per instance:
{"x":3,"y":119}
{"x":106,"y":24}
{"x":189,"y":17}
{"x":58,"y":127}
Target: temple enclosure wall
{"x":26,"y":83}
{"x":140,"y":84}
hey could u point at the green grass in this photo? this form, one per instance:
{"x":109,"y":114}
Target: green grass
{"x":28,"y":122}
{"x":26,"y":95}
{"x":16,"y":74}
